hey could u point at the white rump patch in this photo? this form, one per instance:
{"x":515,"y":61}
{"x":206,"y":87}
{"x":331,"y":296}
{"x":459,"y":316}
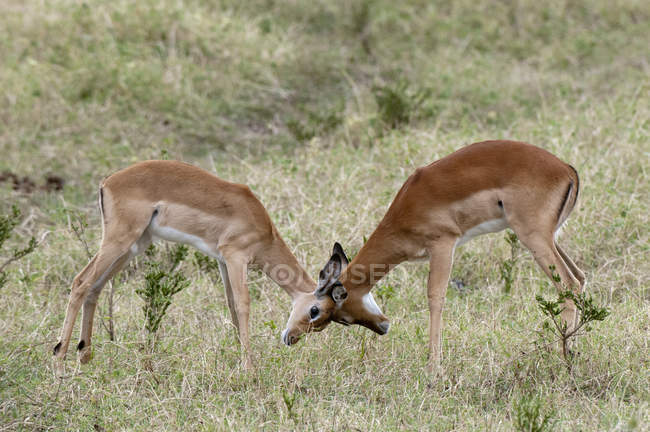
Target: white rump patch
{"x":494,"y":225}
{"x":370,"y":304}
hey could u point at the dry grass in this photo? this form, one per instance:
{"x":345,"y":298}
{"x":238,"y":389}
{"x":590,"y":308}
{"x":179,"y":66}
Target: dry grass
{"x":279,"y":95}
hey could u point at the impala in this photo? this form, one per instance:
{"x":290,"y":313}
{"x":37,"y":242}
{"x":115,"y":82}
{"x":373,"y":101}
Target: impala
{"x":181,"y":203}
{"x":482,"y":188}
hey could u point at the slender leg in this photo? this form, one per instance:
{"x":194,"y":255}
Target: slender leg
{"x":119,"y":236}
{"x":78,"y":283}
{"x":98,"y":267}
{"x":536,"y":231}
{"x":89,"y":306}
{"x":439,"y":270}
{"x":577,"y":273}
{"x":551,"y":262}
{"x":223,"y":269}
{"x":236,"y":268}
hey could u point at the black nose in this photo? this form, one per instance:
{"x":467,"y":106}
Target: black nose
{"x":288,"y":339}
{"x":383,"y":327}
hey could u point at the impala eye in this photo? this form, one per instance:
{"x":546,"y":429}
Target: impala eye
{"x":313,"y":312}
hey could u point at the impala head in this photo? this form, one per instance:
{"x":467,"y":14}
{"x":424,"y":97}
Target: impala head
{"x":332,"y":302}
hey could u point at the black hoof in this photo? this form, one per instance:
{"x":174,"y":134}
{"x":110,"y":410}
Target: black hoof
{"x":81,"y":345}
{"x":57,"y":348}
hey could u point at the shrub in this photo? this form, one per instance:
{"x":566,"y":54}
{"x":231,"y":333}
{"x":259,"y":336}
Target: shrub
{"x":508,"y":266}
{"x":530,"y":418}
{"x":7,"y":224}
{"x":588,"y":311}
{"x":397,"y":104}
{"x":160,"y":286}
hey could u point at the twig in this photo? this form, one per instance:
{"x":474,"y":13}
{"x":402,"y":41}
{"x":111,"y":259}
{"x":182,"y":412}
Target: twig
{"x":21,"y":254}
{"x":79,"y":231}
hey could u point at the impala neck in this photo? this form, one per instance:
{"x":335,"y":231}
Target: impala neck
{"x":378,"y":256}
{"x":283,"y":268}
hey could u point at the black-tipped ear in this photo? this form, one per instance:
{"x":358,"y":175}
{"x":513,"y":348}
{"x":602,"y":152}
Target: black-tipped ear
{"x":338,"y":250}
{"x":328,"y":278}
{"x":329,"y":275}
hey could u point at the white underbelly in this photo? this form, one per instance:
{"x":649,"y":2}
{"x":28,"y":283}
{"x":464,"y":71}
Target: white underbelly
{"x":494,"y":225}
{"x":174,"y":235}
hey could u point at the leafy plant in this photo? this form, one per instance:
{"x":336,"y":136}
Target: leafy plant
{"x":160,"y":286}
{"x":398,"y":103}
{"x":289,"y":402}
{"x":588,"y":312}
{"x":7,"y":224}
{"x":530,"y":418}
{"x":316,"y":123}
{"x":508,"y":266}
{"x":205,"y":263}
{"x":362,"y":348}
{"x":78,"y":223}
{"x":385,"y":292}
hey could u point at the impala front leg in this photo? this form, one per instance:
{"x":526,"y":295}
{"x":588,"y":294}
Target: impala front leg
{"x":236,"y":270}
{"x":439,"y":269}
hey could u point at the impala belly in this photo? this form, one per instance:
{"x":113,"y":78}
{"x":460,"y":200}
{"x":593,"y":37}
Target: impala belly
{"x":481,"y":213}
{"x":174,"y":235}
{"x":490,"y":226}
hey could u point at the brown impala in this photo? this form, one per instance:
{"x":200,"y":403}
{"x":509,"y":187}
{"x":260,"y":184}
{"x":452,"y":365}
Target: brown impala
{"x":482,"y":188}
{"x":181,"y":203}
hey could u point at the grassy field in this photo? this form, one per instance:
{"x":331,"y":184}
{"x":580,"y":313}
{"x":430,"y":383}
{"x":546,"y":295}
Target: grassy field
{"x":324,"y":108}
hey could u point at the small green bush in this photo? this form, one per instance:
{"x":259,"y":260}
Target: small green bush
{"x":160,"y":286}
{"x":398,"y":103}
{"x":530,"y":418}
{"x":508,"y":266}
{"x":588,"y":311}
{"x":315,"y":123}
{"x":7,"y":224}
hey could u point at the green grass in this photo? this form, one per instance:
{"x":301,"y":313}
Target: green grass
{"x":324,"y":109}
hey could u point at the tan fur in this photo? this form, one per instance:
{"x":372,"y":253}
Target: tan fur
{"x":227,"y":217}
{"x":524,"y":185}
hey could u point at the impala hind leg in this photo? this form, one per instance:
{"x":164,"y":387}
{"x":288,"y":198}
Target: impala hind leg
{"x":441,"y":258}
{"x":577,"y":273}
{"x":119,"y":235}
{"x":78,"y":283}
{"x":553,"y":264}
{"x":98,"y":268}
{"x":90,"y":304}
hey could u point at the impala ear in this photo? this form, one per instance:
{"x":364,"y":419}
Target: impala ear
{"x":328,"y":277}
{"x":338,"y":250}
{"x":339,"y":293}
